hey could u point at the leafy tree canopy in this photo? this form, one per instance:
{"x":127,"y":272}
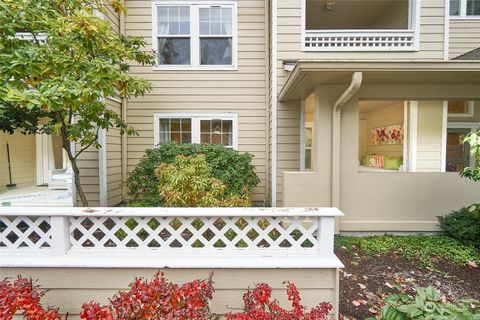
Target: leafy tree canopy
{"x":59,"y":60}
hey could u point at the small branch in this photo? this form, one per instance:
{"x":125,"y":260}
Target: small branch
{"x":88,"y":145}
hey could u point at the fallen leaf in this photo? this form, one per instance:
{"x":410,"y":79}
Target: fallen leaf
{"x":373,"y":310}
{"x":362,"y":286}
{"x":355,"y":303}
{"x":388,"y":285}
{"x":365,"y":278}
{"x":472,"y":264}
{"x":362,"y":301}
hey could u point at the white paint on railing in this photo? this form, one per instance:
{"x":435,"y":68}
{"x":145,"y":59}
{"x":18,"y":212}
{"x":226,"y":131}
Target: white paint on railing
{"x":352,"y":40}
{"x":168,"y":237}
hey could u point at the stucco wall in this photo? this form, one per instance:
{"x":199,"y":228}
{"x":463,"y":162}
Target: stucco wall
{"x":381,"y":201}
{"x":70,"y":288}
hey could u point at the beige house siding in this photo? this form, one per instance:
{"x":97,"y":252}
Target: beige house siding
{"x":429,"y":136}
{"x":23,"y":160}
{"x":113,"y":16}
{"x":464,"y":36}
{"x":243,"y":92}
{"x":114,"y":160}
{"x":70,"y":288}
{"x":88,"y":165}
{"x":289,"y":48}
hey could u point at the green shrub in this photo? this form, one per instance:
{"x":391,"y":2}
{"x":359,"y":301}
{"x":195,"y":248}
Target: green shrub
{"x":234,"y":169}
{"x":188,"y":182}
{"x":463,"y":225}
{"x":427,"y":304}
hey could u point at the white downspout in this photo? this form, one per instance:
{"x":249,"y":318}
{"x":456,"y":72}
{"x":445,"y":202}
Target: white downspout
{"x":274,"y":104}
{"x":336,"y":117}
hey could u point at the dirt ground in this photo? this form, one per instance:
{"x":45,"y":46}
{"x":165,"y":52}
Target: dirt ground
{"x":367,"y":279}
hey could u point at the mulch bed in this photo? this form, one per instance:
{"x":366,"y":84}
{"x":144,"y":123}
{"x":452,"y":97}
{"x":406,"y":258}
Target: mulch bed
{"x":367,"y":279}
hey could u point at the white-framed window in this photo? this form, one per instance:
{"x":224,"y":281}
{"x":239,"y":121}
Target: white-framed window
{"x":195,"y":35}
{"x":465,"y":9}
{"x":216,"y":128}
{"x":461,"y":109}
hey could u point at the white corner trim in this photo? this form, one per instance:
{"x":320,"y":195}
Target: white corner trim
{"x":274,"y":90}
{"x":443,"y":156}
{"x":446,"y":32}
{"x":74,"y":187}
{"x":102,"y":168}
{"x":412,"y":158}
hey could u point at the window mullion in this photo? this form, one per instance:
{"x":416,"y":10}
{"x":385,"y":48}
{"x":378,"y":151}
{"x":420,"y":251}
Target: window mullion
{"x":463,"y":8}
{"x":196,"y":130}
{"x":195,"y":42}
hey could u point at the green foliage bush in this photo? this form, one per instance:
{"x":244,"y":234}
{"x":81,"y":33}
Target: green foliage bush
{"x":463,"y":225}
{"x":427,"y":304}
{"x":231,"y":167}
{"x":188,"y":182}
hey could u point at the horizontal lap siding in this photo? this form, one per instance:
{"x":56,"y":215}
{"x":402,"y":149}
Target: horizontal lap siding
{"x":289,"y":48}
{"x":243,"y":92}
{"x":114,"y":160}
{"x":464,"y":36}
{"x":88,"y":165}
{"x":70,"y":288}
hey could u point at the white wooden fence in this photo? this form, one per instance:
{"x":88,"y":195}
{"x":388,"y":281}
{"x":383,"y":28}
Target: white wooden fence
{"x":168,"y":237}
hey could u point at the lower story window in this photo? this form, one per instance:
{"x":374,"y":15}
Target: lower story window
{"x":199,"y":128}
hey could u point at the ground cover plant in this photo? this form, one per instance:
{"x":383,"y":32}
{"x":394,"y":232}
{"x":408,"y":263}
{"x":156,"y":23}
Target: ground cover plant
{"x":379,"y":267}
{"x":231,"y":167}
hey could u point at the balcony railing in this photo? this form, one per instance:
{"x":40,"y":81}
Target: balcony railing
{"x":168,"y":237}
{"x":359,"y":40}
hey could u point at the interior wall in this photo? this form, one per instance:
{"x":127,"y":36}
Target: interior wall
{"x":23,"y":162}
{"x":390,"y":114}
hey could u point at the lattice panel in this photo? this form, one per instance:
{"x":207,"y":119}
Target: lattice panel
{"x":193,"y":232}
{"x":25,"y":232}
{"x":359,"y":42}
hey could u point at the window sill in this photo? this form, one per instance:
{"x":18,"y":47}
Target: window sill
{"x":190,"y":68}
{"x":465,"y":18}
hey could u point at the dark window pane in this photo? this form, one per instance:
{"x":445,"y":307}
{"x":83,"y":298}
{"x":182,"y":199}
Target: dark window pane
{"x":454,"y":7}
{"x":205,"y":126}
{"x":175,"y":125}
{"x":473,"y":7}
{"x":186,"y":125}
{"x":216,"y":51}
{"x":174,"y":50}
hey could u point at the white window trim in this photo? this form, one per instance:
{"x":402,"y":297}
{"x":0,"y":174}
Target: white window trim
{"x":194,"y":34}
{"x":468,"y":114}
{"x":196,"y":117}
{"x":463,"y":12}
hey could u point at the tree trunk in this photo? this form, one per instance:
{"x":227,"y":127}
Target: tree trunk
{"x":76,"y":175}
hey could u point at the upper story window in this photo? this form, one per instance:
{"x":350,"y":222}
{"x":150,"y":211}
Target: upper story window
{"x":360,"y":25}
{"x":465,"y":8}
{"x":195,"y":35}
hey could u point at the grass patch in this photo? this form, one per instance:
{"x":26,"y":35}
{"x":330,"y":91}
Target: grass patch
{"x":418,"y":248}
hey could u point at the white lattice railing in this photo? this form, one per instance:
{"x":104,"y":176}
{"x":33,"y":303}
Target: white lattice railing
{"x":353,"y":40}
{"x":80,"y":236}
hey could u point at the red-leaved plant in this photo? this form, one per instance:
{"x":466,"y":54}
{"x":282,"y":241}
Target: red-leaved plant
{"x":155,"y":299}
{"x":258,"y":305}
{"x":22,"y":295}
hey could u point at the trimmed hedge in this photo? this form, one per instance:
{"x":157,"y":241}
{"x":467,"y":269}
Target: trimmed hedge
{"x":231,"y":167}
